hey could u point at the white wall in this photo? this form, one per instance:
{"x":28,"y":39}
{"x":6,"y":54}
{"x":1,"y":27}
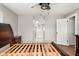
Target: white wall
{"x":10,"y":18}
{"x":50,"y":32}
{"x":25,"y":27}
{"x":77,"y":20}
{"x":75,"y":12}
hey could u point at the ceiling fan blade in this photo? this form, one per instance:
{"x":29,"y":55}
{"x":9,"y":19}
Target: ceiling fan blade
{"x":34,"y":5}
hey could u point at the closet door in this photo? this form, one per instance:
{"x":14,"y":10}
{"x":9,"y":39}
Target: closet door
{"x":71,"y":31}
{"x":62,"y":31}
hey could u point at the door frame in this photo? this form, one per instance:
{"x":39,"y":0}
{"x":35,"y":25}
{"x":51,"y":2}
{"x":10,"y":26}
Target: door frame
{"x":70,"y":16}
{"x":76,"y":29}
{"x":71,"y":36}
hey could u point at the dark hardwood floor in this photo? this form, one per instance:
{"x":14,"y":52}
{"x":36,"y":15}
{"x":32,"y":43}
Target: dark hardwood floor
{"x":70,"y":50}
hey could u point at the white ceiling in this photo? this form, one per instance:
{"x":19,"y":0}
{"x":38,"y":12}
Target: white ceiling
{"x":56,"y":8}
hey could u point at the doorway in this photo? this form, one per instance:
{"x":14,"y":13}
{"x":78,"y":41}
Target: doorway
{"x":71,"y":31}
{"x":66,"y":30}
{"x":62,"y":38}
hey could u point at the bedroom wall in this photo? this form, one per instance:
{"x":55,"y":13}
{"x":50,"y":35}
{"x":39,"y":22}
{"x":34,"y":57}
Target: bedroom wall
{"x":10,"y":18}
{"x":72,"y":13}
{"x":25,"y":27}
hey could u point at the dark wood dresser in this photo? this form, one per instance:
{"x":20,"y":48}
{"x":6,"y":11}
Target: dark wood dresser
{"x":77,"y":45}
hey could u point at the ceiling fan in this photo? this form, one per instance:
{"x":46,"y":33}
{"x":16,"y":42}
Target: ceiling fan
{"x":44,"y":6}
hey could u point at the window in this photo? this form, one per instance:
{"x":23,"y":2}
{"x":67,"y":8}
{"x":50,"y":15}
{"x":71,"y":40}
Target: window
{"x":39,"y":28}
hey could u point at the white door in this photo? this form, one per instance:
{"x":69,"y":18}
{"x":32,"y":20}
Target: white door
{"x":62,"y":31}
{"x":71,"y":31}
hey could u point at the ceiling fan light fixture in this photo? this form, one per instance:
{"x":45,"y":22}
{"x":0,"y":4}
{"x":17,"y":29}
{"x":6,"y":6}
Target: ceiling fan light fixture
{"x":45,"y":6}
